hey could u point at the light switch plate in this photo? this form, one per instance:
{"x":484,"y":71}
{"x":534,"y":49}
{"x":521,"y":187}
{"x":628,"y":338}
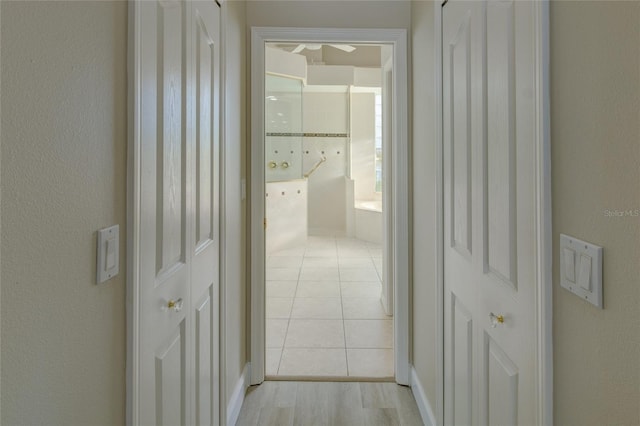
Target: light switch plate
{"x":108,"y":253}
{"x":587,"y":269}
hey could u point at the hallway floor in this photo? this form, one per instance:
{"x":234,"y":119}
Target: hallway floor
{"x":329,"y":403}
{"x":324,"y":316}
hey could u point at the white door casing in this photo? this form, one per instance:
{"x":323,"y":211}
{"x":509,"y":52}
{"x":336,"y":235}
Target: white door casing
{"x":173,"y":244}
{"x":398,"y":253}
{"x":387,"y":197}
{"x":495,"y":213}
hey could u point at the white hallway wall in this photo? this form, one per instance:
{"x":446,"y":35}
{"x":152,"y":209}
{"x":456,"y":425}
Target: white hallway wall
{"x":235,"y":264}
{"x":64,"y":139}
{"x":595,"y":143}
{"x":425,"y":301}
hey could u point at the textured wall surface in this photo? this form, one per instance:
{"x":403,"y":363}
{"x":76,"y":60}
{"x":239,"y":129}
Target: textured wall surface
{"x":329,"y":13}
{"x":234,"y":215}
{"x":425,"y":299}
{"x":595,"y":139}
{"x":63,"y":177}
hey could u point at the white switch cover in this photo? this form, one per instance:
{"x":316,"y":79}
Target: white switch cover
{"x":581,"y":269}
{"x":569,"y":264}
{"x":108,"y":263}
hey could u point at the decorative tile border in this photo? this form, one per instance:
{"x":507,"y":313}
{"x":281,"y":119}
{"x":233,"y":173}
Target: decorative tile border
{"x":310,"y":135}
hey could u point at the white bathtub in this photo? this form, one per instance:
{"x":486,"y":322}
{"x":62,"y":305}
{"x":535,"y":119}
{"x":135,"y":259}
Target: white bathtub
{"x":368,"y":221}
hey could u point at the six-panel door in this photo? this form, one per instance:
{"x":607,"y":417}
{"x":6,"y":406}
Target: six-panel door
{"x":490,"y":253}
{"x":179,"y":243}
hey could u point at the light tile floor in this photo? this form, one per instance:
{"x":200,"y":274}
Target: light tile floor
{"x":324,"y":316}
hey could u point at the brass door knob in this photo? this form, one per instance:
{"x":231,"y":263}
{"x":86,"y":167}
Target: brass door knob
{"x":176,"y":305}
{"x":496,"y":319}
{"x":284,"y":165}
{"x":272,"y":164}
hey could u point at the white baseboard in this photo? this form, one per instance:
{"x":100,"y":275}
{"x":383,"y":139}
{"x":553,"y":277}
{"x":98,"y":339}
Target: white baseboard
{"x":237,"y":397}
{"x":426,"y":412}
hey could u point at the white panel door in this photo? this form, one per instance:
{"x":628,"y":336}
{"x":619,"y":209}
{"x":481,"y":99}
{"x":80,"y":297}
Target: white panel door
{"x":177,"y":336}
{"x":205,"y":32}
{"x":489,"y":190}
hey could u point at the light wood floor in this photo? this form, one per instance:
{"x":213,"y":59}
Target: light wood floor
{"x":329,"y":403}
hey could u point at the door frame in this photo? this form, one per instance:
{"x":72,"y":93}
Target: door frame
{"x":399,"y":188}
{"x":543,"y":231}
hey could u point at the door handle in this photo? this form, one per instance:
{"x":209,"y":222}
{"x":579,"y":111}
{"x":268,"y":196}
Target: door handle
{"x":176,"y":305}
{"x":496,"y":319}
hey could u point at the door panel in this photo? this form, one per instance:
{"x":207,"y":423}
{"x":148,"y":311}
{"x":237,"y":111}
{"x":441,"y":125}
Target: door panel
{"x":170,"y":139}
{"x":205,"y":33}
{"x":500,"y":159}
{"x":179,"y":244}
{"x":204,"y":64}
{"x":501,"y":376}
{"x":169,"y":380}
{"x":462,"y":353}
{"x":460,"y":93}
{"x":489,"y":189}
{"x":204,"y":360}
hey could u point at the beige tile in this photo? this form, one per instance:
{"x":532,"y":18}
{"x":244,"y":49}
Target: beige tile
{"x":282,"y":274}
{"x":353,"y":252}
{"x":379,"y":269}
{"x":321,"y":252}
{"x":320,"y":262}
{"x":370,"y":362}
{"x":317,"y":308}
{"x":275,"y":332}
{"x":318,"y":289}
{"x":294,"y":251}
{"x":313,"y":362}
{"x":369,"y":333}
{"x":281,"y":288}
{"x":321,"y":242}
{"x":360,"y":289}
{"x":363,"y":308}
{"x":319,"y":274}
{"x":310,"y":333}
{"x":375,"y":252}
{"x":354,"y":262}
{"x":350,"y":243}
{"x":272,"y":361}
{"x":284,"y":261}
{"x":278,"y":307}
{"x":358,"y":274}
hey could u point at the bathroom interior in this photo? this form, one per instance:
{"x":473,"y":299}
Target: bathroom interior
{"x":327,"y":133}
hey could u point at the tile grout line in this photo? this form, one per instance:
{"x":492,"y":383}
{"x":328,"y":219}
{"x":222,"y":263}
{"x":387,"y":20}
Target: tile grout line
{"x":344,"y":327}
{"x":286,"y":334}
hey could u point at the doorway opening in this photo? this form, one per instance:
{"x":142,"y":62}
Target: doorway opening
{"x":329,"y":234}
{"x":327,"y":119}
